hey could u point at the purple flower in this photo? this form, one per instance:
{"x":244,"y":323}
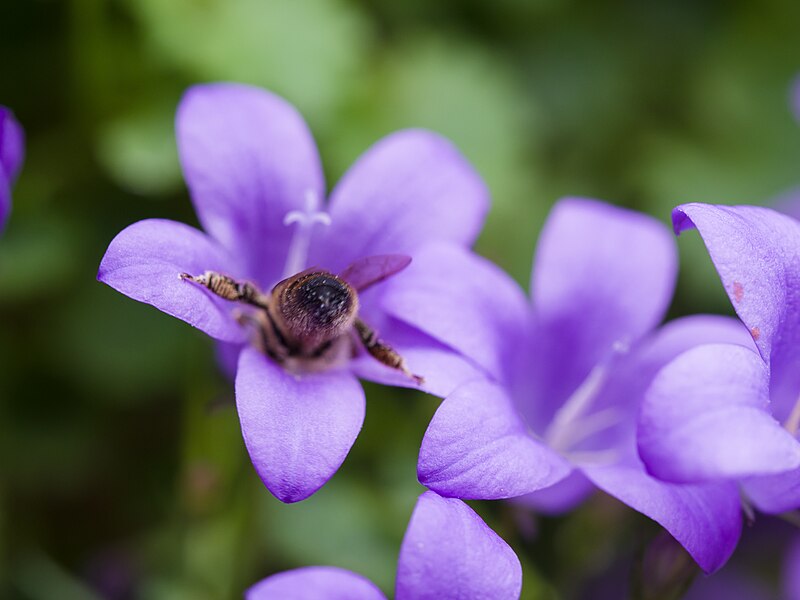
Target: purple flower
{"x":257,"y":185}
{"x":732,"y":412}
{"x":771,"y":543}
{"x":567,"y":371}
{"x":12,"y":151}
{"x":447,"y":552}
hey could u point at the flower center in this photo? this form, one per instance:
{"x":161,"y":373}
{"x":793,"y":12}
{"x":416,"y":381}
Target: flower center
{"x":573,"y":423}
{"x":305,"y":220}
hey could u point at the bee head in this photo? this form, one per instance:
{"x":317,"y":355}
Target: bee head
{"x":315,"y":306}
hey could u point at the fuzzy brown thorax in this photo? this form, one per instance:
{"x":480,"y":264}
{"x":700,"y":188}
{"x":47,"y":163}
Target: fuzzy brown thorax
{"x":312,"y":308}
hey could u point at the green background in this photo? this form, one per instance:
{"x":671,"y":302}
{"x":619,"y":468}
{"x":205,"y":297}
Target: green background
{"x":122,"y":469}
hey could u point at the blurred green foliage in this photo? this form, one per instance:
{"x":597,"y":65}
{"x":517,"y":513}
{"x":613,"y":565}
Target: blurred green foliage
{"x":123,"y":471}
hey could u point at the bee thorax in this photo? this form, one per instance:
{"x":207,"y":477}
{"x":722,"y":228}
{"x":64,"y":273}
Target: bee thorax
{"x":314,"y":308}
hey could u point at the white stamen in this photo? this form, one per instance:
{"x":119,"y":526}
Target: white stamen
{"x":305,"y":219}
{"x":570,"y":424}
{"x":583,"y":429}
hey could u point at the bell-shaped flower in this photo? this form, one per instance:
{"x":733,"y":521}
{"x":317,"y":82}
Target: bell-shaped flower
{"x":12,"y":151}
{"x":257,"y":185}
{"x":722,"y":412}
{"x":565,"y":371}
{"x":448,"y":552}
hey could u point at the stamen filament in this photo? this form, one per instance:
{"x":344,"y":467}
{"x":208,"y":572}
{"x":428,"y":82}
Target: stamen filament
{"x":568,"y":427}
{"x":583,"y":428}
{"x":305,"y":219}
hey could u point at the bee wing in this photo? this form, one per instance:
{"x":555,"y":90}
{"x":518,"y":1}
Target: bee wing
{"x":368,"y":271}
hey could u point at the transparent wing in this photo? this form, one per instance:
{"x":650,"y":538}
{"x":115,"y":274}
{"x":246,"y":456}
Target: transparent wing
{"x":373,"y":269}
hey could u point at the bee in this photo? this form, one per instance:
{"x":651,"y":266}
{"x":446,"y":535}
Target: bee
{"x":309,"y":321}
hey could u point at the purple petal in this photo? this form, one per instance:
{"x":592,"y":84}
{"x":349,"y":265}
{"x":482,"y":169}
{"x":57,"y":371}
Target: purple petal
{"x":774,"y":494}
{"x":789,"y":202}
{"x":442,"y":369}
{"x":477,"y":446}
{"x":561,"y":497}
{"x":368,"y":271}
{"x":410,"y":188}
{"x":297,"y":429}
{"x":228,"y":358}
{"x":12,"y":144}
{"x":449,"y":552}
{"x":602,"y":276}
{"x":315,"y":583}
{"x":705,"y":519}
{"x":705,"y":417}
{"x":249,"y":159}
{"x":12,"y":150}
{"x":729,"y":584}
{"x":756,"y":252}
{"x":145,"y":262}
{"x":463,"y":301}
{"x":629,"y":376}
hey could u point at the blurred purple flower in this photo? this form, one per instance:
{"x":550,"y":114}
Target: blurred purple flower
{"x":12,"y":151}
{"x":773,"y":544}
{"x":447,"y":552}
{"x":257,"y":185}
{"x":567,"y":371}
{"x":732,"y":412}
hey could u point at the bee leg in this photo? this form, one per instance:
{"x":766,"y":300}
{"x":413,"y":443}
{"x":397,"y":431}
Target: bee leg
{"x":382,"y":351}
{"x":230,"y":289}
{"x":265,"y":339}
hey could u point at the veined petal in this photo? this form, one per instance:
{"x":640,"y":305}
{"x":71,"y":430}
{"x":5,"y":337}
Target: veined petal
{"x":249,"y":159}
{"x":442,"y":369}
{"x":705,"y":519}
{"x":315,"y":583}
{"x":756,"y":252}
{"x":705,"y":417}
{"x":478,"y":447}
{"x":410,"y":188}
{"x":602,"y":277}
{"x":297,"y":429}
{"x":449,"y":552}
{"x":774,"y":494}
{"x":145,"y":262}
{"x":463,"y":301}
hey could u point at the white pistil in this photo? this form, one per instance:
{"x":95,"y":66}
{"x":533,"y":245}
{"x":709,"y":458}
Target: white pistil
{"x":570,"y":424}
{"x":301,"y":241}
{"x":792,"y":424}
